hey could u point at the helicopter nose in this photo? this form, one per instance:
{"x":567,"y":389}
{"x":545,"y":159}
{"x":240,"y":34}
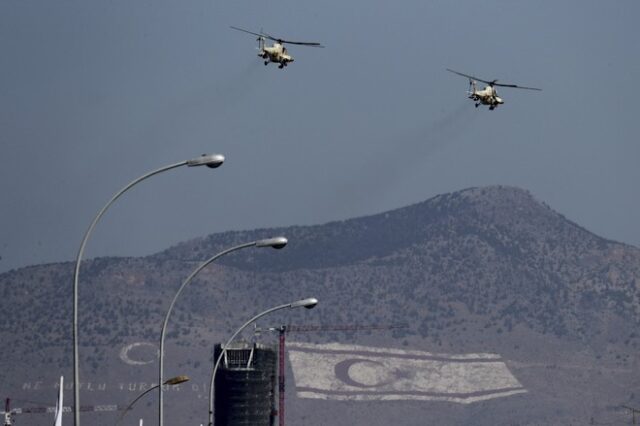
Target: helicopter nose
{"x":499,"y":100}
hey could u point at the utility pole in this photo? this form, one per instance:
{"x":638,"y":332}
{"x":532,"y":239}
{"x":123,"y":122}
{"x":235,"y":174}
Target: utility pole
{"x":281,"y":371}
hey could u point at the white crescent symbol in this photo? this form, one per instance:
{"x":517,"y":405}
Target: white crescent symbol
{"x":342,"y":372}
{"x":124,"y":353}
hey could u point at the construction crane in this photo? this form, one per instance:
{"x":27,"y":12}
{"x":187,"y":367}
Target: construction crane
{"x":633,"y":411}
{"x":284,"y":329}
{"x":8,"y":413}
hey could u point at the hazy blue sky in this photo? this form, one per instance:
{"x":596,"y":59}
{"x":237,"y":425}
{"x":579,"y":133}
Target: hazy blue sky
{"x":94,"y":93}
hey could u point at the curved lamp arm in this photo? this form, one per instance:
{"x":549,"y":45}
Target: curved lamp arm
{"x":211,"y":161}
{"x":173,"y":381}
{"x":308,"y":303}
{"x":277,"y":243}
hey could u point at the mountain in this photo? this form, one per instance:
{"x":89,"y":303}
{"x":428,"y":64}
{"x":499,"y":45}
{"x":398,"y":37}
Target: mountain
{"x":486,"y":270}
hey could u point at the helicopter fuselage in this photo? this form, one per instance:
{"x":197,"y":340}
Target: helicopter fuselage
{"x":487,"y":96}
{"x":276,"y":54}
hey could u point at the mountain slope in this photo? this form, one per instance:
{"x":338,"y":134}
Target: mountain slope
{"x":480,"y":270}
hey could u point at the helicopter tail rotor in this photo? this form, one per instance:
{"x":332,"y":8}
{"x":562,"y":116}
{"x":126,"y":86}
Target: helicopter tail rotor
{"x":471,"y":92}
{"x":260,"y":47}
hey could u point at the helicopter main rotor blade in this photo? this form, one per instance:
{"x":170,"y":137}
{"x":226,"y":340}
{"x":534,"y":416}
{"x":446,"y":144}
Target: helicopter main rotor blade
{"x":469,"y":76}
{"x":515,"y":86}
{"x":251,"y":32}
{"x":493,"y":82}
{"x":300,"y":43}
{"x":278,"y":40}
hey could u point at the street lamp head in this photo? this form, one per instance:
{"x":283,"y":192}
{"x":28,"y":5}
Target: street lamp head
{"x":176,"y":380}
{"x":276,"y":243}
{"x":308,"y":303}
{"x":210,"y":160}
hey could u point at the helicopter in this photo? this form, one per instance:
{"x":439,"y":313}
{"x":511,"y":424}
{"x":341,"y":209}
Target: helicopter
{"x":488,"y":95}
{"x":277,"y":53}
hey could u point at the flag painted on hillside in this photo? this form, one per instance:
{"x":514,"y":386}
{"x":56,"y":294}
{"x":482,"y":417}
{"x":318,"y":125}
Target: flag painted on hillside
{"x":361,"y":373}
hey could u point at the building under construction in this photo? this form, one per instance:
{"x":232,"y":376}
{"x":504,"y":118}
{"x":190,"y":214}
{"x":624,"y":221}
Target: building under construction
{"x":245,"y":385}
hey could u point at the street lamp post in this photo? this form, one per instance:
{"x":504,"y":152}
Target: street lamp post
{"x":277,"y":243}
{"x":308,"y":303}
{"x":212,"y":161}
{"x":171,"y":382}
